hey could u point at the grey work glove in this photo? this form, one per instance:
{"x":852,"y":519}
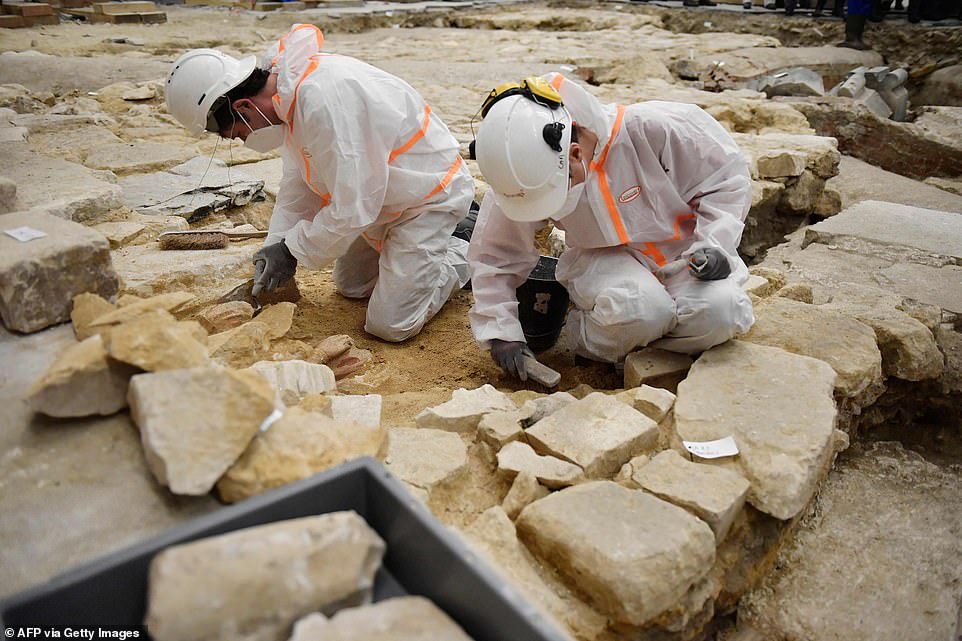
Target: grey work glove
{"x":509,"y":356}
{"x":709,"y":264}
{"x":274,"y":265}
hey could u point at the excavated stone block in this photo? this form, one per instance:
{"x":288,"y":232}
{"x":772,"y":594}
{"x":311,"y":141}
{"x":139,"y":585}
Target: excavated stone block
{"x":820,"y":153}
{"x":713,"y":494}
{"x":40,"y":277}
{"x":516,"y":458}
{"x":597,"y":433}
{"x":147,"y":271}
{"x":778,"y":407}
{"x":156,"y":341}
{"x":793,"y":82}
{"x":802,"y":197}
{"x":494,"y":534}
{"x":425,"y":458}
{"x":242,"y":346}
{"x":524,"y":490}
{"x":133,"y":307}
{"x":278,"y":318}
{"x":408,"y":618}
{"x":633,"y":572}
{"x":841,"y":341}
{"x":538,"y":408}
{"x":498,"y":428}
{"x":363,"y":409}
{"x":653,"y":402}
{"x":927,"y":230}
{"x":217,"y":589}
{"x":299,"y":444}
{"x":656,"y":367}
{"x":194,"y":423}
{"x":293,"y":380}
{"x":465,"y":409}
{"x":779,"y":164}
{"x":136,"y":157}
{"x":86,"y":309}
{"x":82,"y":382}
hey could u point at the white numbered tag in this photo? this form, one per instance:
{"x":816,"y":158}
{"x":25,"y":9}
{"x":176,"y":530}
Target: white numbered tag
{"x":24,"y":234}
{"x":712,"y":449}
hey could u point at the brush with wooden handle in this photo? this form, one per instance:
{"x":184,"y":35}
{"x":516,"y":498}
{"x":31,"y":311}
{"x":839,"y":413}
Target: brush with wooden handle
{"x":204,"y":238}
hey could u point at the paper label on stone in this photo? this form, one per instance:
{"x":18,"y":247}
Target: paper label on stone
{"x":712,"y":449}
{"x":271,"y":419}
{"x":24,"y":234}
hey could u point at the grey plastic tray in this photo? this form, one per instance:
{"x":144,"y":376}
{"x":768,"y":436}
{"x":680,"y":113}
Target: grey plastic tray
{"x":422,"y":558}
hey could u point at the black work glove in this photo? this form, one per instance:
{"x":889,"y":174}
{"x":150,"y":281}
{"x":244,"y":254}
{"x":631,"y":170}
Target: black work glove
{"x":709,"y":264}
{"x":509,"y":356}
{"x":274,"y":265}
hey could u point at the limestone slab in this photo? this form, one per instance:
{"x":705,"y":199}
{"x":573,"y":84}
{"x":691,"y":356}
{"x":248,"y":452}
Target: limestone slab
{"x":364,"y":409}
{"x":81,"y":194}
{"x":155,"y":341}
{"x":498,"y":428}
{"x":194,"y":423}
{"x":940,"y":286}
{"x":928,"y":230}
{"x":190,"y":189}
{"x":656,"y":367}
{"x":524,"y":490}
{"x":215,"y":589}
{"x":495,"y":535}
{"x":779,"y":409}
{"x":40,"y":277}
{"x":779,"y":164}
{"x":299,"y":444}
{"x":293,"y":380}
{"x":128,"y":311}
{"x":278,"y":318}
{"x":538,"y":408}
{"x":713,"y":494}
{"x":75,"y":147}
{"x":597,"y":433}
{"x":408,"y":618}
{"x":136,"y":157}
{"x":465,"y":409}
{"x":82,"y":382}
{"x":87,"y":308}
{"x":841,"y":341}
{"x":634,"y":555}
{"x":242,"y":346}
{"x":653,"y":402}
{"x":425,"y":458}
{"x":820,"y":154}
{"x":516,"y":458}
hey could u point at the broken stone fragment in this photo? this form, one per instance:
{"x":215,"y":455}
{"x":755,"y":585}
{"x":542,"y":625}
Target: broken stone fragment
{"x":278,"y":318}
{"x":8,"y":195}
{"x":225,"y":316}
{"x":656,"y":367}
{"x":626,"y":473}
{"x":498,"y":428}
{"x":780,"y":164}
{"x":155,"y":341}
{"x":256,"y":582}
{"x":425,"y":458}
{"x":41,"y":276}
{"x":194,"y":423}
{"x":170,"y":302}
{"x":537,"y":408}
{"x":242,"y":346}
{"x":286,"y":292}
{"x":349,"y":362}
{"x":299,"y":444}
{"x":597,"y":433}
{"x":779,"y":408}
{"x":713,"y":494}
{"x":293,"y":380}
{"x":86,"y":309}
{"x":653,"y":402}
{"x":633,"y":572}
{"x":525,"y":490}
{"x":517,"y":457}
{"x":409,"y":618}
{"x":465,"y":409}
{"x":83,"y":381}
{"x":801,"y":292}
{"x":332,"y":347}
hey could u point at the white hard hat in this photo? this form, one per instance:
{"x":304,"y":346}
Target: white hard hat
{"x":522,"y":150}
{"x":196,"y":81}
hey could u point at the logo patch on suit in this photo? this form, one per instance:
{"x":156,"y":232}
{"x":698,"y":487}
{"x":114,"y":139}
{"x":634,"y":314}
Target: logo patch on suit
{"x":629,"y":194}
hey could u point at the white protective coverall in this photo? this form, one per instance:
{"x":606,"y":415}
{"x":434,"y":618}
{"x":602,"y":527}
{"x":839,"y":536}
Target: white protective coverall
{"x":666,"y":179}
{"x":371,"y":178}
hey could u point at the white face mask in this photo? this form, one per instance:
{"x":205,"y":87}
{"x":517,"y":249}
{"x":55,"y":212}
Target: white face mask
{"x":573,"y":197}
{"x":266,"y":138}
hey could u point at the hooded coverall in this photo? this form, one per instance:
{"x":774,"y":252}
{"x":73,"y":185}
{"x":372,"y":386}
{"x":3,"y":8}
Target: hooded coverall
{"x":371,"y":178}
{"x":666,"y":179}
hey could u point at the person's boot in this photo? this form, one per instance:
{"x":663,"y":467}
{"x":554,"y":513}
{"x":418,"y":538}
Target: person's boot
{"x":819,"y":9}
{"x":854,"y":27}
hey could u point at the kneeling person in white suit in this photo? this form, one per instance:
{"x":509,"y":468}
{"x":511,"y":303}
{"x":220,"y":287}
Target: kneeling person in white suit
{"x":372,"y":178}
{"x":639,"y":191}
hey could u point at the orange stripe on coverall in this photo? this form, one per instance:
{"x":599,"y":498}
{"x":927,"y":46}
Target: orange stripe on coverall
{"x":599,"y":169}
{"x":556,"y":81}
{"x":280,"y":44}
{"x":651,"y":250}
{"x":416,"y":137}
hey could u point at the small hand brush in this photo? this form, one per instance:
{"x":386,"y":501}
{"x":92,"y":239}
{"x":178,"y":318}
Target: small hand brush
{"x":204,"y":238}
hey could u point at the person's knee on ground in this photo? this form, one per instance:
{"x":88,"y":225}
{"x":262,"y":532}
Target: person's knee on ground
{"x":356,"y":272}
{"x":708,"y":314}
{"x":620,"y":319}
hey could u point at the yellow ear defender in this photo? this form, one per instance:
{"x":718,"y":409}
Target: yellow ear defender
{"x":533,"y":87}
